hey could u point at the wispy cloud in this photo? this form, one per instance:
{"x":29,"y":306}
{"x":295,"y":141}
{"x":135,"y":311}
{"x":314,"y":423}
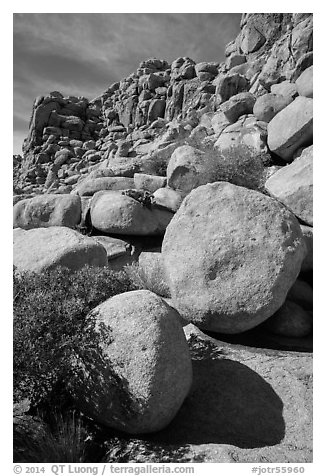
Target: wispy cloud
{"x":83,"y":53}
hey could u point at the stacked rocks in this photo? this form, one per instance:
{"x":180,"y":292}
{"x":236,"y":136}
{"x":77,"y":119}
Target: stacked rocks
{"x":141,"y":167}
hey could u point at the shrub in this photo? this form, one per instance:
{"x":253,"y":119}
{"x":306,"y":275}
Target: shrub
{"x":240,"y":165}
{"x":53,"y":328}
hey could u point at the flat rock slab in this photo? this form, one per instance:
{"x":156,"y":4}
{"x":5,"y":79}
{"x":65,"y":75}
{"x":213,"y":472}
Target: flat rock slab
{"x":247,"y":405}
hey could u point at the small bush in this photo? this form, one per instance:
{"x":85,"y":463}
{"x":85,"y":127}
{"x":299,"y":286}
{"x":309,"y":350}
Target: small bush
{"x":53,"y":327}
{"x":240,"y":165}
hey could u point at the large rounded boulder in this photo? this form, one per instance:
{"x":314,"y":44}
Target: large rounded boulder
{"x":142,"y":342}
{"x":231,"y":255}
{"x":41,"y":249}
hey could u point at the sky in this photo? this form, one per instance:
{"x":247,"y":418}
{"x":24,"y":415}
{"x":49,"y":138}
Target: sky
{"x":83,"y":53}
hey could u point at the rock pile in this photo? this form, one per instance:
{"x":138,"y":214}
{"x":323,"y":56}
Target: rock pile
{"x":147,"y":160}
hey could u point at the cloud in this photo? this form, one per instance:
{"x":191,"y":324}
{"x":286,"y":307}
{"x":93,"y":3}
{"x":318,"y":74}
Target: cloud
{"x":83,"y":53}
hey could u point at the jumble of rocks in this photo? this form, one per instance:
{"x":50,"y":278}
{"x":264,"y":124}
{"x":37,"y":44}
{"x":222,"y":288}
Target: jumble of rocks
{"x":143,"y":161}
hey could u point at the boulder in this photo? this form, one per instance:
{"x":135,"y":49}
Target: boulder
{"x":112,"y":212}
{"x":292,"y":185}
{"x":150,"y":265}
{"x":41,"y":249}
{"x":182,"y":68}
{"x":238,"y":105}
{"x":268,"y":105}
{"x":147,"y":350}
{"x":188,"y":168}
{"x":149,"y":182}
{"x":285,"y":88}
{"x":304,"y":83}
{"x":124,"y":148}
{"x":205,"y":67}
{"x":229,"y":85}
{"x":156,"y":109}
{"x":301,"y":293}
{"x":119,"y":252}
{"x":90,"y":186}
{"x":291,"y":128}
{"x":231,"y":255}
{"x":307,"y":263}
{"x":219,"y":122}
{"x":247,"y":131}
{"x":251,"y":39}
{"x":62,"y":156}
{"x":291,"y":320}
{"x":168,"y":198}
{"x":47,"y":210}
{"x":235,"y":60}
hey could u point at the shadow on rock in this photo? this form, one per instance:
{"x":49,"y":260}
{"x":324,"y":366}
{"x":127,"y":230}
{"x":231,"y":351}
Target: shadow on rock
{"x":229,"y":404}
{"x":260,"y":338}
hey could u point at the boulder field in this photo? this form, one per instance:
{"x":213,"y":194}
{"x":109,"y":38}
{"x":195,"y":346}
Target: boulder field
{"x":198,"y":178}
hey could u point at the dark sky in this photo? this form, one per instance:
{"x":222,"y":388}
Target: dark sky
{"x":83,"y":53}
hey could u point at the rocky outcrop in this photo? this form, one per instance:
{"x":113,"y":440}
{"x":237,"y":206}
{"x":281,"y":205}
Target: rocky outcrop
{"x":71,"y":136}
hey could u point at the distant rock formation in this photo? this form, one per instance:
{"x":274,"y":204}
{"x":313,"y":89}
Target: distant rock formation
{"x":70,"y":136}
